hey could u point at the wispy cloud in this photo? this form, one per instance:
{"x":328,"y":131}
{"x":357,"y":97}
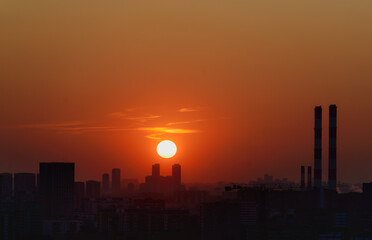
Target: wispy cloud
{"x":184,"y":122}
{"x":154,"y":136}
{"x":167,"y":130}
{"x":133,"y":123}
{"x":183,"y":110}
{"x":67,"y":127}
{"x":125,"y":116}
{"x":58,"y":125}
{"x":80,"y":127}
{"x":157,"y":132}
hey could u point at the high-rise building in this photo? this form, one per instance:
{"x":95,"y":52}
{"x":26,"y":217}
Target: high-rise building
{"x":105,"y":183}
{"x":318,"y":148}
{"x":6,"y":186}
{"x":57,"y":189}
{"x":332,"y":170}
{"x":163,"y":184}
{"x":93,"y":189}
{"x":176,"y":174}
{"x":156,"y":170}
{"x":24,"y":183}
{"x":116,"y":180}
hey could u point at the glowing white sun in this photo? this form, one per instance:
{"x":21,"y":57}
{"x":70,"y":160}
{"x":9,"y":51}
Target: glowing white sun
{"x":166,"y":149}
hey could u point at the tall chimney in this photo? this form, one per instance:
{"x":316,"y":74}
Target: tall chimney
{"x":318,"y":147}
{"x":302,"y":177}
{"x":332,"y":171}
{"x":309,"y":178}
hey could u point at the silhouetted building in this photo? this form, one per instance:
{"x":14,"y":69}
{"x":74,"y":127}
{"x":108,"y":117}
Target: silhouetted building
{"x":367,"y":188}
{"x":116,"y":180}
{"x":93,"y":189}
{"x":156,"y":170}
{"x":229,"y":220}
{"x":332,"y":168}
{"x":163,"y":184}
{"x":105,"y":183}
{"x":6,"y":186}
{"x":24,"y":183}
{"x":57,"y":188}
{"x":176,"y":174}
{"x":302,"y":177}
{"x":126,"y":181}
{"x":318,"y":147}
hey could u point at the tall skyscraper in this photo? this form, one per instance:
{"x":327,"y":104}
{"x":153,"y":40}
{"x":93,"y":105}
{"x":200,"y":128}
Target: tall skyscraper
{"x":6,"y":186}
{"x":176,"y":174}
{"x":105,"y":183}
{"x":24,"y":183}
{"x":93,"y":189}
{"x":116,"y":180}
{"x":332,"y":167}
{"x":156,"y":170}
{"x":318,"y":147}
{"x":57,"y":189}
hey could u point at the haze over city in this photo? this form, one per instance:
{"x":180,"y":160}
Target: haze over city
{"x":232,"y":84}
{"x":185,"y":119}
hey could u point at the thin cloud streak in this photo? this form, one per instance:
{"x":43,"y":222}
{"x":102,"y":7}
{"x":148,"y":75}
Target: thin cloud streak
{"x":141,"y":119}
{"x":154,"y":136}
{"x":68,"y":127}
{"x":88,"y":127}
{"x":85,"y":127}
{"x":183,"y":110}
{"x":184,"y":122}
{"x":54,"y":125}
{"x":167,"y":130}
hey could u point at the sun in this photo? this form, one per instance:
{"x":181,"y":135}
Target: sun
{"x":166,"y":149}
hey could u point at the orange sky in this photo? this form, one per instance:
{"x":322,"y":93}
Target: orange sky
{"x":93,"y":81}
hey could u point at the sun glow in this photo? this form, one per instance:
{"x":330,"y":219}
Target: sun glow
{"x":166,"y":149}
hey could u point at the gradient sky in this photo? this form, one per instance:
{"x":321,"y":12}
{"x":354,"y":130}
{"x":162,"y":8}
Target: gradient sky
{"x":232,"y":83}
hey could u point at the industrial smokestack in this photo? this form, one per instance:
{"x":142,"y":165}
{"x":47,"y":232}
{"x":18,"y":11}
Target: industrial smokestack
{"x":309,"y":178}
{"x":332,"y":171}
{"x":302,"y":177}
{"x":318,"y":147}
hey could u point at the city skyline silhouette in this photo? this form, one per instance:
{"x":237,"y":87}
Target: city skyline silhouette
{"x":187,"y":120}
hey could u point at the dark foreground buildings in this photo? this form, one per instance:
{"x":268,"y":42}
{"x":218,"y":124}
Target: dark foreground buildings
{"x":57,"y":189}
{"x":58,"y":207}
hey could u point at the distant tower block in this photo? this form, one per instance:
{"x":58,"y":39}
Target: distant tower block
{"x":302,"y":177}
{"x":318,"y":147}
{"x":156,"y":170}
{"x":309,"y":178}
{"x":332,"y":170}
{"x":176,"y":174}
{"x":105,"y":183}
{"x":115,"y":180}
